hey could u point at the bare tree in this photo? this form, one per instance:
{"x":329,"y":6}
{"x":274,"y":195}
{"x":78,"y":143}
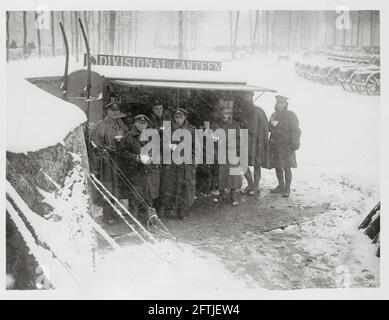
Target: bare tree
{"x":273,"y":29}
{"x":72,"y":30}
{"x":38,"y":33}
{"x":358,"y":28}
{"x":99,"y":32}
{"x":231,"y":29}
{"x":7,"y":35}
{"x":235,"y":34}
{"x":111,"y":33}
{"x":135,"y":30}
{"x":25,"y":34}
{"x":52,"y":33}
{"x":371,"y":28}
{"x":76,"y":34}
{"x":86,"y":22}
{"x":129,"y":33}
{"x":254,"y":34}
{"x":267,"y":31}
{"x":180,"y":34}
{"x":289,"y":30}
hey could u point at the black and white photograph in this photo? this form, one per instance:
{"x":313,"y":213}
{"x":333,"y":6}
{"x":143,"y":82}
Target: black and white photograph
{"x":180,"y":153}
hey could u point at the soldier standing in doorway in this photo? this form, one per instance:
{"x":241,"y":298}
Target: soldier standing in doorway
{"x":140,"y":170}
{"x":227,"y":181}
{"x":178,"y":184}
{"x":105,"y":138}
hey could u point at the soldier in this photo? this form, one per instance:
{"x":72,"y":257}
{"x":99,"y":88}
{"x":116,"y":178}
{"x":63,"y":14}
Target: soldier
{"x":159,"y":115}
{"x":179,"y":180}
{"x":256,"y":122}
{"x":233,"y":183}
{"x":284,"y":141}
{"x":139,"y":170}
{"x":105,"y":137}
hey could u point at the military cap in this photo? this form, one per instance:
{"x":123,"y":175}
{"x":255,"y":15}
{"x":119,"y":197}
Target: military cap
{"x":282,"y":98}
{"x":180,"y":110}
{"x":156,"y":102}
{"x":142,"y":117}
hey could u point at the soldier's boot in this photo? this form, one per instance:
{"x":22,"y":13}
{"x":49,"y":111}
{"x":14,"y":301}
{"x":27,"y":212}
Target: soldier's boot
{"x":257,"y":178}
{"x":286,"y":192}
{"x":182,"y":213}
{"x":219,"y":197}
{"x":281,"y":182}
{"x":108,"y":214}
{"x":251,"y":186}
{"x":143,"y":216}
{"x":235,"y":197}
{"x":168,"y":212}
{"x":288,"y":182}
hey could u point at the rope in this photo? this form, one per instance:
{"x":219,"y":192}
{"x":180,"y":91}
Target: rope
{"x":123,"y":176}
{"x":133,"y":189}
{"x":124,"y":219}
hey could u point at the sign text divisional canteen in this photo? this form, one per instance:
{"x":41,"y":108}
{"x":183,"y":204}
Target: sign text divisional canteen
{"x":158,"y":63}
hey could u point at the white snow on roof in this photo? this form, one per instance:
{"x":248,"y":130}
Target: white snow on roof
{"x":49,"y":67}
{"x":35,"y":118}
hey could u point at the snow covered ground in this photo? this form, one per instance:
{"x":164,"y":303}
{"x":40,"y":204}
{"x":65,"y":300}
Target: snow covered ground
{"x":339,"y":170}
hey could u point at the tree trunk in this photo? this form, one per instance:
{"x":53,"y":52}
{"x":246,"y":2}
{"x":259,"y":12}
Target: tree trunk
{"x":52,"y":34}
{"x":86,"y":23}
{"x":267,"y":31}
{"x":274,"y":32}
{"x":38,"y":33}
{"x":135,"y":30}
{"x":180,"y":35}
{"x":64,"y":27}
{"x":359,"y":29}
{"x":72,"y":30}
{"x":111,"y":33}
{"x":195,"y":35}
{"x":76,"y":34}
{"x":231,"y":30}
{"x":99,"y":33}
{"x":371,"y":28}
{"x":255,"y":31}
{"x":296,"y":29}
{"x":251,"y":29}
{"x":235,"y":34}
{"x":129,"y":36}
{"x":289,"y":30}
{"x":7,"y":35}
{"x":334,"y":24}
{"x":25,"y":34}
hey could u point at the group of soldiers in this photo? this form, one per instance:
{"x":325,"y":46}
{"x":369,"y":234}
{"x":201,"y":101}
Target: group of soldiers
{"x":170,"y":188}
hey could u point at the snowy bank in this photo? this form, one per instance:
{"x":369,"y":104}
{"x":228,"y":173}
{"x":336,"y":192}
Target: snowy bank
{"x":35,"y":118}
